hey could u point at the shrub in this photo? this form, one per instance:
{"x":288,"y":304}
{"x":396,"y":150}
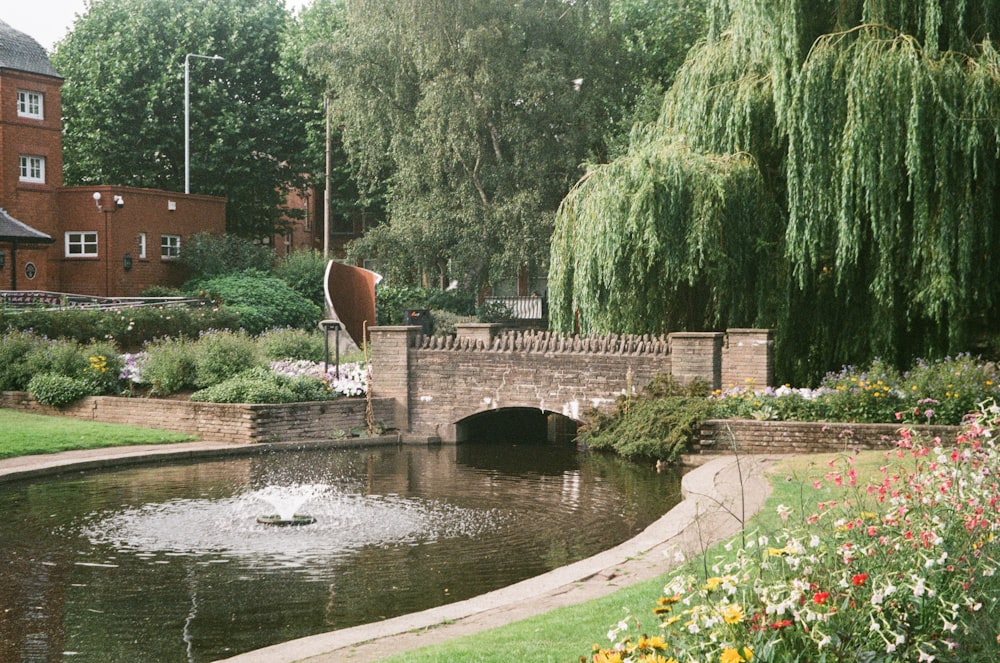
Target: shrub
{"x":128,"y":327}
{"x":391,"y":301}
{"x":289,"y":343}
{"x":58,"y":356}
{"x":58,"y":390}
{"x":206,"y":255}
{"x":260,"y":385}
{"x":495,"y":312}
{"x":104,"y":367}
{"x":443,"y":322}
{"x":15,"y":347}
{"x":263,"y":301}
{"x":650,"y":428}
{"x":303,"y":271}
{"x":168,"y":366}
{"x":946,"y":390}
{"x":219,"y":355}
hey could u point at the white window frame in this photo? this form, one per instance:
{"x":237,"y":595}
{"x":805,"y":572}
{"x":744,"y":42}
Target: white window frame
{"x":32,"y":169}
{"x":142,"y":246}
{"x":31,"y":104}
{"x":170,"y":247}
{"x":81,"y":240}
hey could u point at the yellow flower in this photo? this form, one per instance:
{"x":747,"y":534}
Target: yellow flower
{"x":608,"y":656}
{"x":778,"y":552}
{"x":733,"y":613}
{"x":748,"y":653}
{"x":730,"y":655}
{"x":712,"y":584}
{"x":671,"y":621}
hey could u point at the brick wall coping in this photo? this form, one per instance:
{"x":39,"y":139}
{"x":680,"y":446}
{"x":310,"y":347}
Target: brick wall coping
{"x":551,"y":343}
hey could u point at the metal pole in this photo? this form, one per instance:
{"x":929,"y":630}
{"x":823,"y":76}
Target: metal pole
{"x":187,"y":114}
{"x":326,"y":185}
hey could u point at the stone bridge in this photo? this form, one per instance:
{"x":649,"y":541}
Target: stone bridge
{"x":485,"y":379}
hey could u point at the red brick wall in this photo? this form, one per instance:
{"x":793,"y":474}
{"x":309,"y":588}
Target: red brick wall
{"x":30,"y":203}
{"x":149,"y":211}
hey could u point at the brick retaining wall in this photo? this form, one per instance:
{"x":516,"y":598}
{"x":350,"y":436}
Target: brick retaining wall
{"x":221,"y":422}
{"x":717,"y":436}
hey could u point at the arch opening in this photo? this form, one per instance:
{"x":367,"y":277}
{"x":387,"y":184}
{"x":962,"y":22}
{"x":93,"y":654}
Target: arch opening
{"x":520,"y":424}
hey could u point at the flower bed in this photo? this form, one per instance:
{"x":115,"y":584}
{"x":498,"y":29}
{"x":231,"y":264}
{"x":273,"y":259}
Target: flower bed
{"x":900,"y":569}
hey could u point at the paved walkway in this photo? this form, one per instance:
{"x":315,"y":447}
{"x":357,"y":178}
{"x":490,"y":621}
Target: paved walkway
{"x":718,"y":497}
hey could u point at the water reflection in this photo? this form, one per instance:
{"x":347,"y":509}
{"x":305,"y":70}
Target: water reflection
{"x":167,"y":562}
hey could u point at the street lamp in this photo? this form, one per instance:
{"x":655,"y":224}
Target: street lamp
{"x":187,"y":114}
{"x":119,"y":203}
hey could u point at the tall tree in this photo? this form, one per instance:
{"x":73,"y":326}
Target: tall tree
{"x":123,"y":102}
{"x":474,"y":115}
{"x":875,"y":128}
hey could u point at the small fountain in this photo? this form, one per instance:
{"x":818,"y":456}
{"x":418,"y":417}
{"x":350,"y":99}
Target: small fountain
{"x":286,"y":501}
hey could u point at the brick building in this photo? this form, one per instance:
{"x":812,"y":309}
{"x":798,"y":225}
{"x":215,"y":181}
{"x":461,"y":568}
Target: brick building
{"x":115,"y":244}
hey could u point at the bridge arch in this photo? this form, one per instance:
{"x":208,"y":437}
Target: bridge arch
{"x":520,"y":424}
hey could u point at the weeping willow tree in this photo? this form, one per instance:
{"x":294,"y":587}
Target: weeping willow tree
{"x":853,"y":152}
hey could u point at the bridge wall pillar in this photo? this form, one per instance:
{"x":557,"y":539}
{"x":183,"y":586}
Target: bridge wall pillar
{"x":390,"y":361}
{"x":748,"y":358}
{"x":696,"y":356}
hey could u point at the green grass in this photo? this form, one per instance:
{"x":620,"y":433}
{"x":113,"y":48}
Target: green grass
{"x":566,"y":634}
{"x":23,"y":434}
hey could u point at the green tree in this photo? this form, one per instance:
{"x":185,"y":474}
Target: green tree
{"x":468,"y":115}
{"x":874,"y":126}
{"x":123,"y":102}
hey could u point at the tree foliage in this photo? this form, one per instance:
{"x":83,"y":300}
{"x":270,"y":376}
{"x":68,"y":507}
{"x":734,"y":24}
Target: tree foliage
{"x":468,"y":114}
{"x":123,"y":102}
{"x":875,"y":129}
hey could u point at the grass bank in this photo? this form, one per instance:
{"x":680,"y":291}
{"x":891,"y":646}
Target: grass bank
{"x":23,"y":434}
{"x":566,"y":634}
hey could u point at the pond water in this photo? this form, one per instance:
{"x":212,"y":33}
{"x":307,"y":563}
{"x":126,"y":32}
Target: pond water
{"x":169,"y":562}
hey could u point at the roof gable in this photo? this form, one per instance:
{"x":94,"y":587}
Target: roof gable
{"x":20,"y":52}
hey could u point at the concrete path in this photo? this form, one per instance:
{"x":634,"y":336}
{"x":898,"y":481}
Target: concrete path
{"x":718,"y":497}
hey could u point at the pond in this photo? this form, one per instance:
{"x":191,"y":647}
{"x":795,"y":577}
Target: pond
{"x":170,"y":563}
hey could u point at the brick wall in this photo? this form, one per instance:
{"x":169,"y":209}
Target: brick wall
{"x":220,"y":422}
{"x":748,"y":358}
{"x":792,"y":437}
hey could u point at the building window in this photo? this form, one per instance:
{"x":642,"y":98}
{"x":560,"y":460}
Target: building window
{"x":81,"y":245}
{"x":142,"y":246}
{"x":30,"y":104}
{"x":170,"y":247}
{"x":32,"y":169}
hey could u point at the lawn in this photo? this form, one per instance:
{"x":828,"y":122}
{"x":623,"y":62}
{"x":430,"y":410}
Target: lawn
{"x":23,"y":434}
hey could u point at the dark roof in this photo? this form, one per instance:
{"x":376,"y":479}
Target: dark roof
{"x":12,"y":230}
{"x":21,"y":52}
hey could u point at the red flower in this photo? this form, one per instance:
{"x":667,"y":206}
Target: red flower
{"x":859,"y":579}
{"x":781,"y":624}
{"x":819,"y":598}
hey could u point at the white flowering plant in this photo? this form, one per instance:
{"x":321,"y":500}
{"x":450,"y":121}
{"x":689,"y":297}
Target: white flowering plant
{"x":902,"y":567}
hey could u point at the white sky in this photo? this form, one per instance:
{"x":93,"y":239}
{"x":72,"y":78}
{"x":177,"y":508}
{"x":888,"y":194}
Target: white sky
{"x":48,"y":21}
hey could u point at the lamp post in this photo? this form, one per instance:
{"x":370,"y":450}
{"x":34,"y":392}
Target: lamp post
{"x":187,"y":114}
{"x":119,"y":203}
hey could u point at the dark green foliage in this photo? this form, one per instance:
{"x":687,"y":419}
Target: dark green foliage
{"x":494,"y":312}
{"x":304,"y":272}
{"x":169,"y":366}
{"x":58,"y":390}
{"x":246,"y":137}
{"x":391,"y":301}
{"x":649,"y":428}
{"x":443,"y":322}
{"x":871,"y":129}
{"x":206,"y":255}
{"x":263,"y":301}
{"x":260,"y":385}
{"x":15,"y":348}
{"x":288,"y":343}
{"x":129,"y":327}
{"x":218,"y":355}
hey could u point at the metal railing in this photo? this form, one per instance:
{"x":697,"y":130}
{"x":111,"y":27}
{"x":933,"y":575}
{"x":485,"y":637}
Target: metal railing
{"x":47,"y":301}
{"x":523,"y":308}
